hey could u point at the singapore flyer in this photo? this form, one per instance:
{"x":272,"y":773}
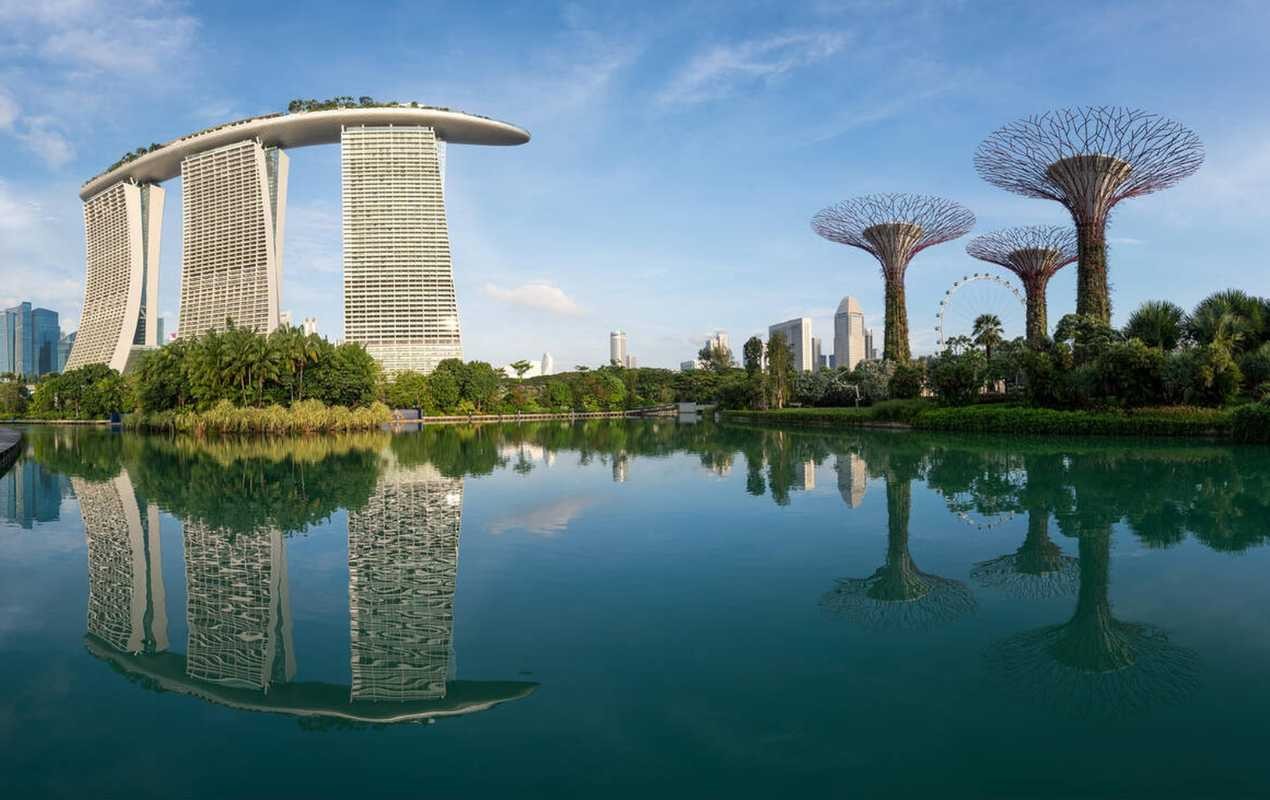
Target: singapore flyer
{"x":976,"y":294}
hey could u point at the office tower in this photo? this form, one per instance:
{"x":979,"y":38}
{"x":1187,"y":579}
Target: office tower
{"x":127,"y":606}
{"x":870,"y":350}
{"x":285,"y":318}
{"x":631,"y":362}
{"x":30,"y":494}
{"x":309,"y":326}
{"x":687,"y":366}
{"x":617,"y":348}
{"x":849,"y":344}
{"x":815,"y":353}
{"x":403,"y":552}
{"x":797,"y":333}
{"x":64,"y":347}
{"x":548,"y":364}
{"x":28,"y":341}
{"x":238,"y":606}
{"x":717,"y":340}
{"x":831,"y":361}
{"x":399,"y":298}
{"x":853,"y":478}
{"x":826,"y":361}
{"x":233,"y":211}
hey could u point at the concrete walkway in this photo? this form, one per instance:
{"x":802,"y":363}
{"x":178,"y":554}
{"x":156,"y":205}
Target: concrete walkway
{"x":10,"y":446}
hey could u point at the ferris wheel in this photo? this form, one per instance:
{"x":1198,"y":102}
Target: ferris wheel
{"x":976,"y":294}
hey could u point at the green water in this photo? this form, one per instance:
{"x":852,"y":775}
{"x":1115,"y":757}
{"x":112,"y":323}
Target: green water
{"x":632,"y":609}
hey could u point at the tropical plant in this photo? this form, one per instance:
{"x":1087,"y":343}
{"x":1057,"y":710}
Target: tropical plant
{"x":988,"y":332}
{"x":1158,"y":323}
{"x":780,"y":370}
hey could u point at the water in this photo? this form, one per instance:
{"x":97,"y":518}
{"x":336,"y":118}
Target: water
{"x":623,"y":609}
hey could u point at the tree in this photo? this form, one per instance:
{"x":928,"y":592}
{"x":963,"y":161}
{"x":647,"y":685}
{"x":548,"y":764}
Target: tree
{"x":444,"y":390}
{"x":1158,"y":323}
{"x":716,"y":358}
{"x":1244,"y":319}
{"x":988,"y":333}
{"x":780,"y":370}
{"x":409,"y":389}
{"x":480,"y":385}
{"x":13,"y":397}
{"x":521,"y":367}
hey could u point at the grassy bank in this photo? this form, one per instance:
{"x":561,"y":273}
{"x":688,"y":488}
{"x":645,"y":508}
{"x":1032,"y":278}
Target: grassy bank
{"x":1245,"y":423}
{"x":307,"y":416}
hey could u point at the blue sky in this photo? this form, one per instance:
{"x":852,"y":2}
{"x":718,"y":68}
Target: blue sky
{"x":678,"y":149}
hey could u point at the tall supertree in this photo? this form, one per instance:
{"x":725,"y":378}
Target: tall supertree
{"x":1034,"y":254}
{"x":898,"y":594}
{"x":894,"y":228}
{"x":1037,"y":569}
{"x":1089,"y":159}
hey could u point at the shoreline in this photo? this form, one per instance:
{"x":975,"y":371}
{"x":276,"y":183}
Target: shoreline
{"x":10,"y":447}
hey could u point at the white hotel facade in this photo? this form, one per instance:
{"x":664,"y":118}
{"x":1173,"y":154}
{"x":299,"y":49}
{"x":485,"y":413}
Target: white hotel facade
{"x":399,"y":298}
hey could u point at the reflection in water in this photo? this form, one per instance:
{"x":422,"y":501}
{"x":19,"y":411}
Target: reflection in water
{"x":239,"y":608}
{"x":403,"y":544}
{"x":898,"y":594}
{"x":853,"y":478}
{"x":1095,"y":664}
{"x":126,"y":603}
{"x":1037,"y":569}
{"x":403,"y":555}
{"x":30,"y":493}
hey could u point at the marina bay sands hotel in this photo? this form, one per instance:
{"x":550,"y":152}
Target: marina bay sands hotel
{"x":399,"y":298}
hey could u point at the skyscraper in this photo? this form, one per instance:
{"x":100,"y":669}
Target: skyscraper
{"x":871,"y":352}
{"x":797,"y":333}
{"x":399,"y":296}
{"x":64,"y":347}
{"x":849,"y":344}
{"x":233,"y":211}
{"x":28,"y":341}
{"x":548,"y":364}
{"x":816,"y":358}
{"x":617,"y":348}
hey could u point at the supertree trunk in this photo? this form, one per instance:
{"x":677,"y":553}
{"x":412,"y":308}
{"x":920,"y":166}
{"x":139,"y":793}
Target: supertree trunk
{"x":1038,"y":555}
{"x":899,"y":578}
{"x":895,"y":345}
{"x":1037,"y":310}
{"x":1093,"y":640}
{"x":1093,"y":297}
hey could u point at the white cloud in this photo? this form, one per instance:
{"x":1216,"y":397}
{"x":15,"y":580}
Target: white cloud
{"x":548,"y":520}
{"x":1126,"y":240}
{"x":38,"y":261}
{"x":540,"y":296}
{"x":724,"y":69}
{"x":8,"y":110}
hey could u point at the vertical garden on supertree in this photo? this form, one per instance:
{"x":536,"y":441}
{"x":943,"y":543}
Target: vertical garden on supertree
{"x":893,"y":228}
{"x":1033,"y":253}
{"x":1089,"y":159}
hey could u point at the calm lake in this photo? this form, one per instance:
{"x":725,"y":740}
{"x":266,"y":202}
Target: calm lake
{"x":631,"y":609}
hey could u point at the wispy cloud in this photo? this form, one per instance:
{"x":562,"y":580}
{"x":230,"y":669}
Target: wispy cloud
{"x":548,"y":520}
{"x":723,"y":70}
{"x":540,"y":296}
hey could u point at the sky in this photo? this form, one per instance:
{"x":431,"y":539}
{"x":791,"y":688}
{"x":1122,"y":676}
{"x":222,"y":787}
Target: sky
{"x":679,"y":150}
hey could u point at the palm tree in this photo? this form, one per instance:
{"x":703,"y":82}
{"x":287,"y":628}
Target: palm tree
{"x":988,"y":332}
{"x":1158,"y":323}
{"x":1248,"y":316}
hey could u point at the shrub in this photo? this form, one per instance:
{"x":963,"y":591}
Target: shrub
{"x":907,"y":381}
{"x":873,"y":379}
{"x":1255,"y":366}
{"x":957,"y":378}
{"x":1251,"y":422}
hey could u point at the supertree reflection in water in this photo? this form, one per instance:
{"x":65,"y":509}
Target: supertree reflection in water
{"x":1095,"y":665}
{"x":1036,"y":570}
{"x":898,"y":594}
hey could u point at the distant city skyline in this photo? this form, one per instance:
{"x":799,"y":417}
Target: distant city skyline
{"x":544,"y":238}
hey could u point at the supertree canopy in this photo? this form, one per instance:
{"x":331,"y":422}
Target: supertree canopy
{"x":894,"y":228}
{"x":1089,"y":159}
{"x":1033,"y":253}
{"x":1037,"y":569}
{"x":1095,"y":664}
{"x":898,"y":594}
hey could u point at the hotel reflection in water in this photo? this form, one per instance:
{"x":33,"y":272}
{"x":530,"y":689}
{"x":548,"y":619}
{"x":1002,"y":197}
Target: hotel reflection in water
{"x":403,"y":549}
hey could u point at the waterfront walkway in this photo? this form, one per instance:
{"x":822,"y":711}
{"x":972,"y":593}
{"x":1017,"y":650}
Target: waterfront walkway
{"x":10,"y":446}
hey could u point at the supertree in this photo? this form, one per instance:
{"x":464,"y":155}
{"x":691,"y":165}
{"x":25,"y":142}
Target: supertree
{"x":1036,"y":570}
{"x":898,"y":594}
{"x":1034,"y":254}
{"x":1094,"y":664}
{"x":894,"y":228}
{"x":1089,"y":159}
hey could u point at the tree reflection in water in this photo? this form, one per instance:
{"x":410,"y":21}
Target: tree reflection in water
{"x":898,"y":594}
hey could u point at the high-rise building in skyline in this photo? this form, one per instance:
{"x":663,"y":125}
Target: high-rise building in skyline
{"x":548,"y":365}
{"x":399,"y":298}
{"x":816,"y":357}
{"x":797,"y":333}
{"x":31,"y":494}
{"x":123,"y":224}
{"x":403,"y":554}
{"x":717,"y":340}
{"x":849,"y":345}
{"x":28,"y":341}
{"x":233,"y":213}
{"x":309,"y":326}
{"x":853,"y":478}
{"x":64,"y":347}
{"x":398,"y":278}
{"x":617,"y":348}
{"x":871,"y":352}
